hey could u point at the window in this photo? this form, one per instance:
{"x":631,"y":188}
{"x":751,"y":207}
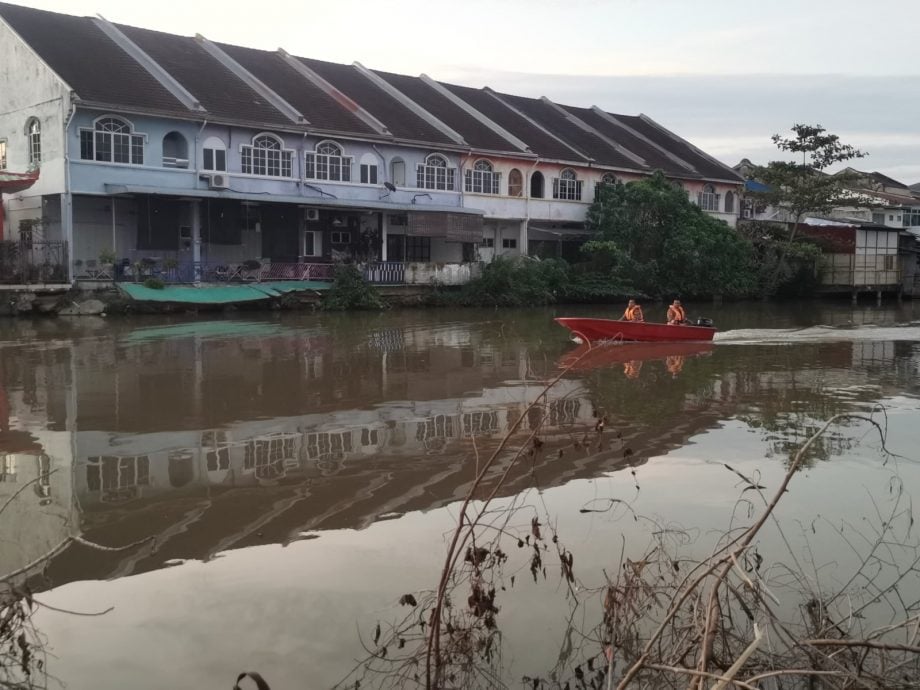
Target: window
{"x":112,"y":140}
{"x":889,"y":262}
{"x":398,"y":172}
{"x":408,"y":248}
{"x":175,"y":151}
{"x":368,"y":173}
{"x":312,"y":243}
{"x":891,"y":217}
{"x":34,"y":133}
{"x":536,"y":185}
{"x":729,"y":202}
{"x":608,"y":180}
{"x":2,"y":154}
{"x":328,"y":163}
{"x":708,"y":199}
{"x":435,"y":174}
{"x":567,"y":186}
{"x":911,"y":217}
{"x":509,"y":243}
{"x":487,"y":242}
{"x":515,"y":183}
{"x":339,"y":237}
{"x":214,"y":155}
{"x":878,"y":218}
{"x":482,"y":179}
{"x":266,"y":156}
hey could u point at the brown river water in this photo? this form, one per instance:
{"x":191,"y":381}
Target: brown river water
{"x":298,"y":473}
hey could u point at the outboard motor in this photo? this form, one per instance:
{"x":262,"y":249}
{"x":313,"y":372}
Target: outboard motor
{"x":705,"y":323}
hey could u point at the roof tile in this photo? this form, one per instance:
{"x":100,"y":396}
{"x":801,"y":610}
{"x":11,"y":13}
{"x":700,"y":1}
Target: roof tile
{"x":92,"y":64}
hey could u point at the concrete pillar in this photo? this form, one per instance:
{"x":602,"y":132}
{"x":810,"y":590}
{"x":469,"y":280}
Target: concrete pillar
{"x":67,"y":231}
{"x":878,"y":297}
{"x":522,"y":239}
{"x":854,"y":296}
{"x":196,"y":239}
{"x":384,"y":228}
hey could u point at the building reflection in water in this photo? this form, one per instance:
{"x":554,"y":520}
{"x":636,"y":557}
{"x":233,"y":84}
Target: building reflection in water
{"x":233,"y":434}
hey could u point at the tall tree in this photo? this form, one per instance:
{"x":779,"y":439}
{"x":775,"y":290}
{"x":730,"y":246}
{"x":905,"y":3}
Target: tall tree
{"x":802,"y":185}
{"x":659,"y":242}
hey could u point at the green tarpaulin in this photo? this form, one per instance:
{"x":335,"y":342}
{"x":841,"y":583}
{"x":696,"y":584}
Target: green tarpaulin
{"x":218,"y":294}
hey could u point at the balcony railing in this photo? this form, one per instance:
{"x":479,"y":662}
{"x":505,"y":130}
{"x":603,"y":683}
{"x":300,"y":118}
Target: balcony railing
{"x":385,"y":273}
{"x":30,"y":262}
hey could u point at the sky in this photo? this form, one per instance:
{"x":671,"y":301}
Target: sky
{"x":724,"y":74}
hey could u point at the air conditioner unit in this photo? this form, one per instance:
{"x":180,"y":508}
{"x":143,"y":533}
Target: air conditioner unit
{"x":313,"y":214}
{"x":220,"y":181}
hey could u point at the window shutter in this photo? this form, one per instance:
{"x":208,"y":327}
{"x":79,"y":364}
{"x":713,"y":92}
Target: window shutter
{"x":420,"y":177}
{"x":580,"y":182}
{"x":555,"y":187}
{"x":468,"y":180}
{"x":699,"y":199}
{"x":450,"y":178}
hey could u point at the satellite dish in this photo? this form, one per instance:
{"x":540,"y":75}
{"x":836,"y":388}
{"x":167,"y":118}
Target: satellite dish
{"x":390,"y":186}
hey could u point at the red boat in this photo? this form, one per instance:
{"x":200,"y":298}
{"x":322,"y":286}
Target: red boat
{"x":596,"y":330}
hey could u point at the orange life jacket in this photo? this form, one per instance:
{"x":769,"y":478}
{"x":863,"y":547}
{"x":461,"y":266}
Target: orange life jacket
{"x":633,"y":313}
{"x":676,"y":313}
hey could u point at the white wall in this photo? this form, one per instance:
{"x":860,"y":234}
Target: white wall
{"x":28,"y":88}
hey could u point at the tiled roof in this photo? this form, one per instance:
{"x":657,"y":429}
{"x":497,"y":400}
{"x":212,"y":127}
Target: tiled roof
{"x":654,"y":158}
{"x":401,"y":121}
{"x":220,"y":91}
{"x":320,"y":109}
{"x":589,"y":144}
{"x":472,"y":130}
{"x":91,"y":64}
{"x":703,"y":164}
{"x":101,"y":71}
{"x":536,"y":139}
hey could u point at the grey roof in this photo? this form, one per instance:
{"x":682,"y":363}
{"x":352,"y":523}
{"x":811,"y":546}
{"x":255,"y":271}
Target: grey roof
{"x":103,"y":73}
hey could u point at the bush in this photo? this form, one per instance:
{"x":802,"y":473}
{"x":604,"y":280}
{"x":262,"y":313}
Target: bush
{"x":518,"y":282}
{"x":154,"y":284}
{"x":350,"y":291}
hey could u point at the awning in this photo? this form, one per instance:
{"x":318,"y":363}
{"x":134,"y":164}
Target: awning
{"x":311,"y":201}
{"x":454,"y":227}
{"x":571,"y":232}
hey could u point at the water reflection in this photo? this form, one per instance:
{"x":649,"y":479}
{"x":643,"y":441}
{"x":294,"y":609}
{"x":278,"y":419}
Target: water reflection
{"x":231,"y":433}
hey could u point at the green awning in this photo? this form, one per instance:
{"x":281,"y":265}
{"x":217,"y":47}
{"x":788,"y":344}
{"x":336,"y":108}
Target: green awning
{"x":218,"y":294}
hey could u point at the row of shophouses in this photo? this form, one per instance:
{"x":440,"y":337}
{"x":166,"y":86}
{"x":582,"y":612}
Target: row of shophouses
{"x":130,"y":146}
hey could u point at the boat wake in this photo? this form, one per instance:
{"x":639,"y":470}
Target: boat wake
{"x":819,"y":334}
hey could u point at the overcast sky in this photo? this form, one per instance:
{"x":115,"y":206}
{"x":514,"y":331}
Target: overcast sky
{"x":724,"y":74}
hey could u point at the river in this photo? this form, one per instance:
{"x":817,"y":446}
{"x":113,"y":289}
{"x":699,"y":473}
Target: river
{"x":280,"y":480}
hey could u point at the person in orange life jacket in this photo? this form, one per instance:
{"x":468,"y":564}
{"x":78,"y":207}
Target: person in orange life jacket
{"x":676,"y":314}
{"x":633,"y":312}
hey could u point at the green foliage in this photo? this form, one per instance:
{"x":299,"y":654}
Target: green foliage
{"x":516,"y":282}
{"x":651,"y":237}
{"x":801,"y":186}
{"x":350,"y":291}
{"x":782,"y":266}
{"x":107,"y":256}
{"x":154,"y":284}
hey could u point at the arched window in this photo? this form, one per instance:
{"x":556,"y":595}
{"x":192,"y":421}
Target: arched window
{"x":266,"y":156}
{"x":112,"y":140}
{"x":536,"y":185}
{"x":175,"y":151}
{"x":435,"y":174}
{"x":607,"y":181}
{"x":214,"y":155}
{"x":34,"y":133}
{"x":327,"y":162}
{"x":567,"y":186}
{"x":729,"y":202}
{"x":515,"y":183}
{"x":708,"y":199}
{"x":398,"y":172}
{"x":482,"y":179}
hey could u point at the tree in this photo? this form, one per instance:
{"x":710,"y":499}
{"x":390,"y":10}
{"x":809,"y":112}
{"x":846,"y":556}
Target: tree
{"x":802,"y":186}
{"x":662,"y":244}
